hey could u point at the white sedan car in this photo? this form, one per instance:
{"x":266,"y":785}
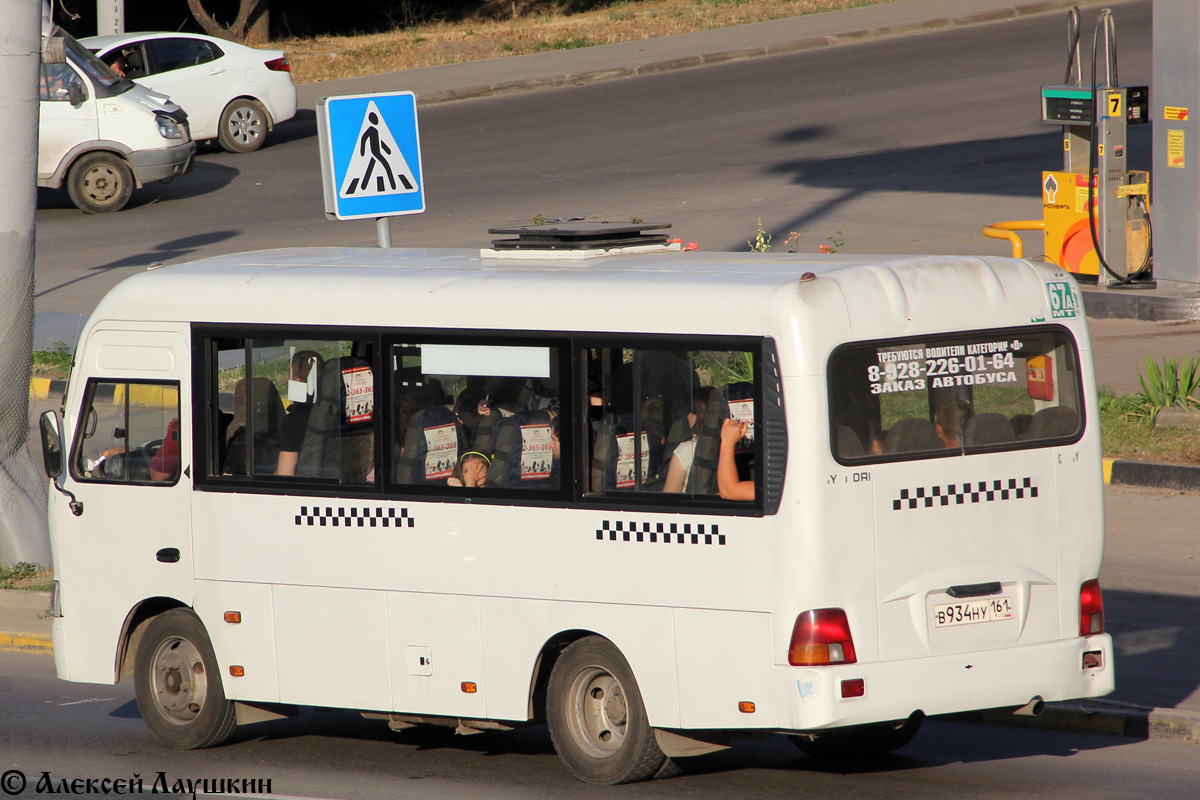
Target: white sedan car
{"x":231,"y":93}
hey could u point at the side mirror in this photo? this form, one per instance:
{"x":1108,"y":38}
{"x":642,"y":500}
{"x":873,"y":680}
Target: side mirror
{"x":75,"y":94}
{"x":52,"y":455}
{"x":52,"y":450}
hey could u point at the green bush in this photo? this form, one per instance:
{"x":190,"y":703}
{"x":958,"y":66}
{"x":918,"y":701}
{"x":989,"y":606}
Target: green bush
{"x":1171,"y":384}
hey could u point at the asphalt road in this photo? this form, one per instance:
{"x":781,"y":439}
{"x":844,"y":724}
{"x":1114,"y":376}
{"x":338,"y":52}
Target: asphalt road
{"x":78,"y":731}
{"x":905,"y":145}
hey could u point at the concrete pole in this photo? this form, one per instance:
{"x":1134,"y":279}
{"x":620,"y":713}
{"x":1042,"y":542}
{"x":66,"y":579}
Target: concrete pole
{"x":110,"y":16}
{"x":23,"y":532}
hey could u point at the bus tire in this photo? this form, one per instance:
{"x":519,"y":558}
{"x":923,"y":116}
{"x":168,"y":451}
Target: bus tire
{"x":178,"y":684}
{"x":596,"y":716}
{"x":860,"y":740}
{"x":99,"y":183}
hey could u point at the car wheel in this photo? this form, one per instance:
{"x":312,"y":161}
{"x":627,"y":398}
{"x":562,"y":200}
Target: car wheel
{"x":178,"y":685}
{"x":596,"y":717}
{"x":860,"y":741}
{"x":243,"y":126}
{"x":100,"y":183}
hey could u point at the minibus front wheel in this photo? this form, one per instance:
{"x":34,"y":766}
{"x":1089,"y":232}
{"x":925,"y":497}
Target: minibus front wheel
{"x":596,"y":716}
{"x":178,"y":685}
{"x":99,"y":183}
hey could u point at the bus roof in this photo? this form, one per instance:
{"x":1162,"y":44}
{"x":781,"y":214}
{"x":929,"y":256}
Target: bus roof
{"x":851,"y":296}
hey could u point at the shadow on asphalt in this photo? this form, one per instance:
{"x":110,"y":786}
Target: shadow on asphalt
{"x":206,"y":177}
{"x":1004,"y":167}
{"x":1157,"y":644}
{"x":164,"y":251}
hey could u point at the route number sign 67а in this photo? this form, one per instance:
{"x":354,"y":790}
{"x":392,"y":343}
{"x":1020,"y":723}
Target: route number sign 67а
{"x":1064,"y":302}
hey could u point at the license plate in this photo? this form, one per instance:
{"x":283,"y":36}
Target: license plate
{"x":988,"y":609}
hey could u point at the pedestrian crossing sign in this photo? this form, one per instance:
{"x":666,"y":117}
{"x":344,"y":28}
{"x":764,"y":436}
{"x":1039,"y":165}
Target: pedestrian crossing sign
{"x":370,"y":155}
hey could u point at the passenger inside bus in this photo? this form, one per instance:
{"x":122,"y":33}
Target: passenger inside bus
{"x":261,"y":422}
{"x":683,"y":456}
{"x":729,"y":485}
{"x":950,"y":420}
{"x":302,"y":391}
{"x":471,"y":470}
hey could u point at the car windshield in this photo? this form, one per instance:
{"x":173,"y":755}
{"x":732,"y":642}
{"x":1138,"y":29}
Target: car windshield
{"x":100,"y":73}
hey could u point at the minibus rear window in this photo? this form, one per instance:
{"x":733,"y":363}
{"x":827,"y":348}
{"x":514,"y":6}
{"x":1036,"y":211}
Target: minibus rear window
{"x":954,"y":394}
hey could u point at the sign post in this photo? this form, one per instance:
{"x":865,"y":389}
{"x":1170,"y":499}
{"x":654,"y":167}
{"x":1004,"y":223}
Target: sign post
{"x":370,"y":158}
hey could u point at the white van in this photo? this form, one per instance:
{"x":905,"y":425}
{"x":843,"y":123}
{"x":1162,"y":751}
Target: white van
{"x":102,"y":135}
{"x":444,"y":486}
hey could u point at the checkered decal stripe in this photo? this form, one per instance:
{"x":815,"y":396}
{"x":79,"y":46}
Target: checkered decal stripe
{"x":962,"y":493}
{"x":343,"y":517}
{"x":655,"y":532}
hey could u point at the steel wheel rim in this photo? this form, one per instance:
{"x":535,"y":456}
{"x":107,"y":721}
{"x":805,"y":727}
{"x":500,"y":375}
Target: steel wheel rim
{"x":179,"y":680}
{"x":245,"y":125}
{"x":101,"y":184}
{"x":599,"y":712}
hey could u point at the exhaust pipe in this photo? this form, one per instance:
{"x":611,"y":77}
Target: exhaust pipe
{"x":1033,"y":708}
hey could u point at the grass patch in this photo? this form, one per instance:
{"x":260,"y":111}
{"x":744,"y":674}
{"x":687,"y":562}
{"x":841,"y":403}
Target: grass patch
{"x":567,"y":43}
{"x":549,"y":26}
{"x":1127,"y":432}
{"x":54,"y":362}
{"x":24,"y":575}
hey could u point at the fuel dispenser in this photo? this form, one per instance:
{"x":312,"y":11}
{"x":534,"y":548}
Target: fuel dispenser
{"x":1096,"y":212}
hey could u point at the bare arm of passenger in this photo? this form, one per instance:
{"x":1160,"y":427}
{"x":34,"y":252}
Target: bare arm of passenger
{"x":728,"y":485}
{"x":675,"y":475}
{"x":287,"y":463}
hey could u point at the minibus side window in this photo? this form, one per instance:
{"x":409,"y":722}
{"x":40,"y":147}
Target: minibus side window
{"x":656,"y":416}
{"x":57,"y":80}
{"x":954,"y":394}
{"x":293,"y":408}
{"x":472,"y":416}
{"x":128,"y":433}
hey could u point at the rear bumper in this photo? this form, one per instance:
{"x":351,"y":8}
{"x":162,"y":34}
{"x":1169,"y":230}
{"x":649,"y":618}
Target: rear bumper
{"x":163,"y":163}
{"x":810,"y":698}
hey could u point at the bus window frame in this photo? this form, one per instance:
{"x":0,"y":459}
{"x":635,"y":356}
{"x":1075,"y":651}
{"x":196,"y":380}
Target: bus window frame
{"x":571,"y":346}
{"x":870,"y":459}
{"x":86,"y":405}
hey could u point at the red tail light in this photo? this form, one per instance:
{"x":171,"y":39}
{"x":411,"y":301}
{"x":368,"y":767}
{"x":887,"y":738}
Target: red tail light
{"x":279,"y":65}
{"x":1091,"y":609}
{"x":820,"y":637}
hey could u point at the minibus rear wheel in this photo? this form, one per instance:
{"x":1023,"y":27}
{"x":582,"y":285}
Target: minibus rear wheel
{"x":860,"y":740}
{"x":100,"y":183}
{"x":178,"y":685}
{"x":596,"y":716}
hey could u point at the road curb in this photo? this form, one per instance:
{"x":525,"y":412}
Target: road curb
{"x":25,"y":642}
{"x":779,"y":48}
{"x":45,"y":388}
{"x":1152,"y":475}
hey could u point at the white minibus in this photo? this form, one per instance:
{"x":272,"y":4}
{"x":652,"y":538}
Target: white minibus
{"x":655,"y":500}
{"x":102,"y":135}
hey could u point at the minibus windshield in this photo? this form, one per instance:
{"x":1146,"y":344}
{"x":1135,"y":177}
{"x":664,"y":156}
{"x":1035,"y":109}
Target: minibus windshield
{"x":107,"y":82}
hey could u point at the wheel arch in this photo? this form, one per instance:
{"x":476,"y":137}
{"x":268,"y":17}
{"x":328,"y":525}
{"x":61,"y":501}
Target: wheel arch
{"x":133,"y":628}
{"x":56,"y":179}
{"x":544,"y":664}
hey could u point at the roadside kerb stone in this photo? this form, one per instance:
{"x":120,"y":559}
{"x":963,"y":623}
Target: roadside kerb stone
{"x":1151,"y":475}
